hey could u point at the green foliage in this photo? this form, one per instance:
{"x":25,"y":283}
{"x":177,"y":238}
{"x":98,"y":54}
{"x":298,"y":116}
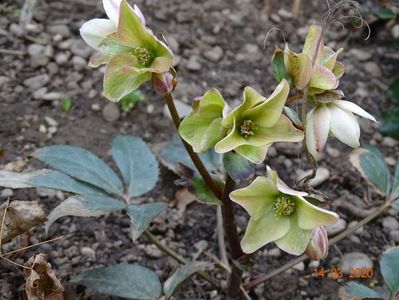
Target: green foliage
{"x":237,"y":167}
{"x":67,"y":104}
{"x":389,"y":265}
{"x":129,"y":101}
{"x":278,"y":67}
{"x":123,"y":280}
{"x":383,"y":13}
{"x":182,"y":274}
{"x":202,"y":191}
{"x":390,"y":119}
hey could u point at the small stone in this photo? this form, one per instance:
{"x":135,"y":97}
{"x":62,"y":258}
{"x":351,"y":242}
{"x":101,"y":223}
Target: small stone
{"x":193,"y":64}
{"x":173,"y":44}
{"x":35,"y":49}
{"x":201,"y":245}
{"x":52,"y":130}
{"x":322,"y":174}
{"x":96,"y":107}
{"x":153,"y":251}
{"x":36,"y":82}
{"x":355,"y":260}
{"x":300,"y":266}
{"x":336,"y":228}
{"x":50,"y":121}
{"x":61,"y":30}
{"x":79,"y":63}
{"x":16,"y":30}
{"x":394,"y":235}
{"x":390,"y":223}
{"x":333,"y":152}
{"x":272,"y":152}
{"x":285,"y":14}
{"x":150,"y":108}
{"x":390,"y":161}
{"x":182,"y":108}
{"x":215,"y":54}
{"x":44,"y":192}
{"x":111,"y":112}
{"x":372,"y":69}
{"x":61,"y":58}
{"x":42,"y":128}
{"x":395,"y":31}
{"x":275,"y":252}
{"x":5,"y":193}
{"x":389,"y":142}
{"x":39,"y":60}
{"x":361,"y":55}
{"x":314,"y":264}
{"x":53,"y":96}
{"x":38,"y":94}
{"x":89,"y":252}
{"x":4,"y":80}
{"x":79,"y":47}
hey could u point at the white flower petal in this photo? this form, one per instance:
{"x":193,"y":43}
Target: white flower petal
{"x":321,"y":127}
{"x":356,"y":109}
{"x":309,"y":134}
{"x":111,"y":8}
{"x":95,"y":31}
{"x":344,"y":126}
{"x":139,"y":14}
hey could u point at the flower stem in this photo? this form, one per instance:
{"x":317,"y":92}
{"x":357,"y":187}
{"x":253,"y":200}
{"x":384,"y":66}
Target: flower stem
{"x":168,"y":251}
{"x":194,"y":156}
{"x":262,"y":278}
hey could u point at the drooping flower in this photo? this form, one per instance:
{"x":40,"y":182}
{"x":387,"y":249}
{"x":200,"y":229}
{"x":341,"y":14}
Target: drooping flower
{"x":317,"y":248}
{"x":324,"y":74}
{"x":131,"y":51}
{"x":333,"y":116}
{"x":202,"y":129}
{"x":280,"y":214}
{"x":257,"y":123}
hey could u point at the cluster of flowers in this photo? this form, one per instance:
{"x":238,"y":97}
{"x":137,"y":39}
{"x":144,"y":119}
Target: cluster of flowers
{"x":134,"y":55}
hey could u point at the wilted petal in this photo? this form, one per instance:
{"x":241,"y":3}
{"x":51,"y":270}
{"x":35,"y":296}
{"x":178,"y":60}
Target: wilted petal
{"x":122,"y":78}
{"x":296,"y":240}
{"x":344,"y":126}
{"x":323,"y":78}
{"x":255,"y":154}
{"x":269,"y":112}
{"x":339,"y":69}
{"x":311,"y":46}
{"x":356,"y":109}
{"x":329,"y":96}
{"x":98,"y":59}
{"x":311,"y":216}
{"x":95,"y":31}
{"x":327,"y":57}
{"x":111,"y":8}
{"x":256,"y":196}
{"x":299,"y":66}
{"x":267,"y":228}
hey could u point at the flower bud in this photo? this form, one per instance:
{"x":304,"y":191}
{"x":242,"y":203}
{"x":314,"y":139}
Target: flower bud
{"x":317,"y":248}
{"x":163,"y":83}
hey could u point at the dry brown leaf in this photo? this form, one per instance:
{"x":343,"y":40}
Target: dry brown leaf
{"x":41,"y":281}
{"x":183,"y":198}
{"x":20,"y":217}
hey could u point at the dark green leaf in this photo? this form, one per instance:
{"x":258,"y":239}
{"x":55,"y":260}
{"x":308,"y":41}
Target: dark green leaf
{"x":127,"y":281}
{"x":137,"y":164}
{"x":371,"y":164}
{"x":384,"y":13}
{"x":393,"y":90}
{"x":278,"y":66}
{"x":81,"y":164}
{"x":292,"y":115}
{"x":390,"y":124}
{"x":67,"y":104}
{"x":84,"y":206}
{"x":182,"y":274}
{"x":142,"y":215}
{"x":128,"y":102}
{"x":389,"y":269}
{"x":237,"y":167}
{"x":395,"y":184}
{"x":203,"y":193}
{"x":353,"y":290}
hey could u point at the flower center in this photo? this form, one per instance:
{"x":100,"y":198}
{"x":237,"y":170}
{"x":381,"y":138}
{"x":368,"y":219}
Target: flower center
{"x":143,"y":56}
{"x":283,"y":206}
{"x":247,"y":128}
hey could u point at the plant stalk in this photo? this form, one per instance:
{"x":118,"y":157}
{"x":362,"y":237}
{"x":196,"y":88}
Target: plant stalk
{"x":262,"y":278}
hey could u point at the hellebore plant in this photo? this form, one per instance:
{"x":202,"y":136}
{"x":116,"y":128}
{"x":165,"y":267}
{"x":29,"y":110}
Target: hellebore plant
{"x":134,"y":55}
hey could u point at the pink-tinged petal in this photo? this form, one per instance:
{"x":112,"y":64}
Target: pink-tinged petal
{"x":323,"y":78}
{"x":317,"y":248}
{"x":356,"y":109}
{"x":321,"y":127}
{"x":311,"y":216}
{"x":138,"y":12}
{"x":256,"y":196}
{"x":309,"y":134}
{"x":329,"y":96}
{"x":339,"y":69}
{"x":299,"y":67}
{"x":99,"y":59}
{"x":312,"y":37}
{"x":344,"y":126}
{"x":95,"y":31}
{"x":121,"y":78}
{"x":111,"y":8}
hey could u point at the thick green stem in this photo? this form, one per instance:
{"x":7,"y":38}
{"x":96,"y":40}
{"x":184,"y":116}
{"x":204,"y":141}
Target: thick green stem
{"x":262,"y":278}
{"x":194,"y":156}
{"x":168,"y":251}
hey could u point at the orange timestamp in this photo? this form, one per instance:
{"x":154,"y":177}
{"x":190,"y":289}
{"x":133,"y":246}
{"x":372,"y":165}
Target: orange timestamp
{"x":337,"y":273}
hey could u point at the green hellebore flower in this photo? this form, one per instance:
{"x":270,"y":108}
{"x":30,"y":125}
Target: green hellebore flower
{"x":257,"y":123}
{"x":132,"y":54}
{"x":280,"y":214}
{"x":202,"y":129}
{"x":326,"y":71}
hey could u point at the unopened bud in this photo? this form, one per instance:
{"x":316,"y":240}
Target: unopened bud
{"x":163,"y":83}
{"x":317,"y":248}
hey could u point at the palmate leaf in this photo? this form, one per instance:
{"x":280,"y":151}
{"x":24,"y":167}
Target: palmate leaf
{"x":182,"y":274}
{"x":137,"y":164}
{"x":389,"y":268}
{"x":123,"y":280}
{"x":237,"y":167}
{"x":371,"y":164}
{"x":353,"y":290}
{"x":81,"y":164}
{"x":84,"y":206}
{"x":142,"y":215}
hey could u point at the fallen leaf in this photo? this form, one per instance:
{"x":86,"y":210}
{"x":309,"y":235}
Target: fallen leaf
{"x":183,"y":198}
{"x":20,"y":217}
{"x":41,"y":281}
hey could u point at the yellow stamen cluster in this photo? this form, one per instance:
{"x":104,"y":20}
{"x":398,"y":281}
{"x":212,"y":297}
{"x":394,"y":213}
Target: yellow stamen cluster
{"x":143,"y":56}
{"x":247,"y":128}
{"x":283,"y":206}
